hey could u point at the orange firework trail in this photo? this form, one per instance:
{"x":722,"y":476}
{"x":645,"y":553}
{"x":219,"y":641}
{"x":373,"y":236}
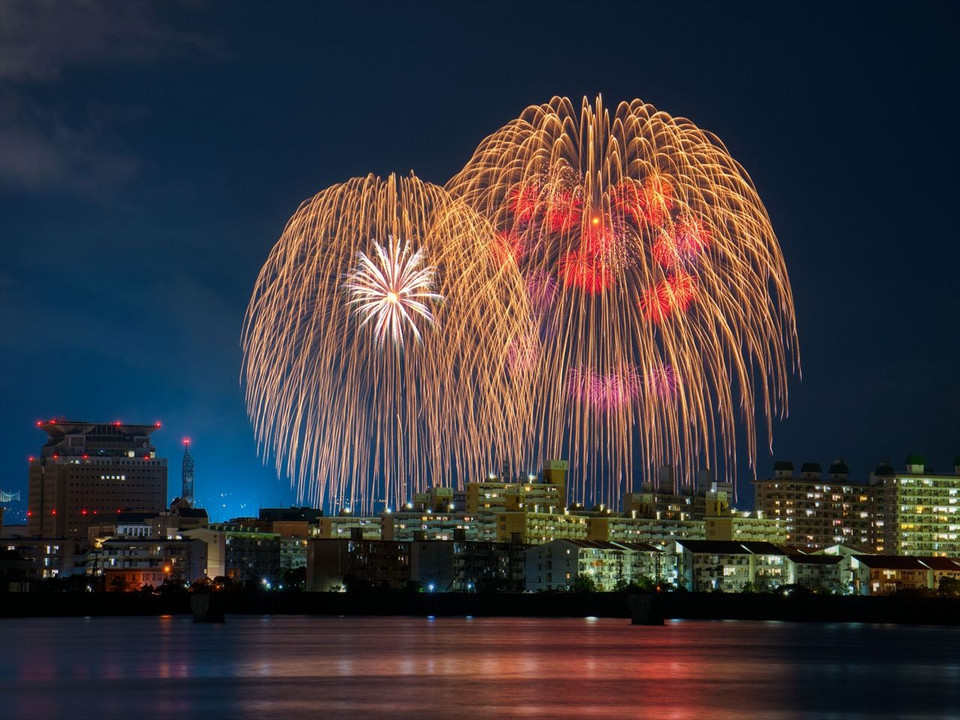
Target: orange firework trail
{"x":669,"y":313}
{"x":374,"y":345}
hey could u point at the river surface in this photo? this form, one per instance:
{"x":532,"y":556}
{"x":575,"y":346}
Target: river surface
{"x":367,"y":667}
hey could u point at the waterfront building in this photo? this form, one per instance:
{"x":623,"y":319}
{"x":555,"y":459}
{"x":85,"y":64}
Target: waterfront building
{"x":556,"y":565}
{"x":456,"y":566}
{"x":816,"y":511}
{"x":90,"y":472}
{"x":47,"y":558}
{"x":820,"y":573}
{"x":706,"y":565}
{"x":885,"y":574}
{"x":431,"y":565}
{"x":917,"y":511}
{"x":333,"y":563}
{"x":240,"y":553}
{"x":129,"y":564}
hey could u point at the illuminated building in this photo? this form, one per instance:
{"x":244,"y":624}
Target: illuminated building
{"x":533,"y":528}
{"x":49,"y":558}
{"x":557,"y":564}
{"x":745,"y":527}
{"x":645,"y":530}
{"x":828,"y":573}
{"x":816,"y":511}
{"x":885,"y":574}
{"x":498,"y":494}
{"x":128,"y":564}
{"x":347,"y":525}
{"x":240,"y":553}
{"x":706,"y":565}
{"x":439,"y":525}
{"x":917,"y":511}
{"x":90,"y":472}
{"x":437,"y":499}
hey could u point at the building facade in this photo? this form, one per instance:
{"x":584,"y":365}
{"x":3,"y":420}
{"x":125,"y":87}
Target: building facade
{"x":557,"y":564}
{"x":88,"y":473}
{"x":817,"y":511}
{"x":917,"y":511}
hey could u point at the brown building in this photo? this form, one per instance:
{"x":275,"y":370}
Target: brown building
{"x":87,"y":473}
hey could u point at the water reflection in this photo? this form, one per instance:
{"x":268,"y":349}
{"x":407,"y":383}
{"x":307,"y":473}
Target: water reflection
{"x":289,"y":667}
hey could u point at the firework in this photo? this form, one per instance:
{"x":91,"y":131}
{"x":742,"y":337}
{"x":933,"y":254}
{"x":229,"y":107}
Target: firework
{"x":669,"y":314}
{"x":393,"y":289}
{"x":371,"y":346}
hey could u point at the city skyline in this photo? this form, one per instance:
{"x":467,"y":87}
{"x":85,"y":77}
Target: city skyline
{"x":126,"y":303}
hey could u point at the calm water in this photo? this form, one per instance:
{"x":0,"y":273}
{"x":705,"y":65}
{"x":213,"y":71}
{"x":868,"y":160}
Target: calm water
{"x":291,"y":667}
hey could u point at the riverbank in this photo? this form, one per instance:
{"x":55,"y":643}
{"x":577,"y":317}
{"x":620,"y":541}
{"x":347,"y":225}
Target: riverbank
{"x":901,"y":608}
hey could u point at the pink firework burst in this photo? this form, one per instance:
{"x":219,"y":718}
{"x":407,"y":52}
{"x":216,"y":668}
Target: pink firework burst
{"x":604,"y":392}
{"x":523,"y":353}
{"x":542,"y":291}
{"x":662,"y":381}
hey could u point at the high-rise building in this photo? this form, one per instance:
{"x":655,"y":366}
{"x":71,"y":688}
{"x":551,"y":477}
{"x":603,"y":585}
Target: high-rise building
{"x":917,"y":511}
{"x":817,"y":511}
{"x":87,"y":473}
{"x":186,"y":486}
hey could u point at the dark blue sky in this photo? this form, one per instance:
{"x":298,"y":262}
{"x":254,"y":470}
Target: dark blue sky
{"x":151,"y":153}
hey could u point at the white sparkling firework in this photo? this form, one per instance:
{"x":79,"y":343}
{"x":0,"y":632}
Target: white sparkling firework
{"x":393,"y":289}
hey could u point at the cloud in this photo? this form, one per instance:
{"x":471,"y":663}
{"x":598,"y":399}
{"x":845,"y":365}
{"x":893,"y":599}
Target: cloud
{"x":52,"y":136}
{"x":43,"y":151}
{"x":40,"y":39}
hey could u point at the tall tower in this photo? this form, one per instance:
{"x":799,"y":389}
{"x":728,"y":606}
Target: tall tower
{"x":186,"y":491}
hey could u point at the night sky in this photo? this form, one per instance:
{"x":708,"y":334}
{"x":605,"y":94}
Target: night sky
{"x":150,"y":155}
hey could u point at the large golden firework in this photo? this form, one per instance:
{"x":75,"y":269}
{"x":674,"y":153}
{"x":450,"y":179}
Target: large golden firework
{"x":372,"y":345}
{"x":663,"y":306}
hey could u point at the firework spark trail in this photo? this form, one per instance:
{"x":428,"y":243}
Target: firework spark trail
{"x":349,"y":411}
{"x":661,"y":257}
